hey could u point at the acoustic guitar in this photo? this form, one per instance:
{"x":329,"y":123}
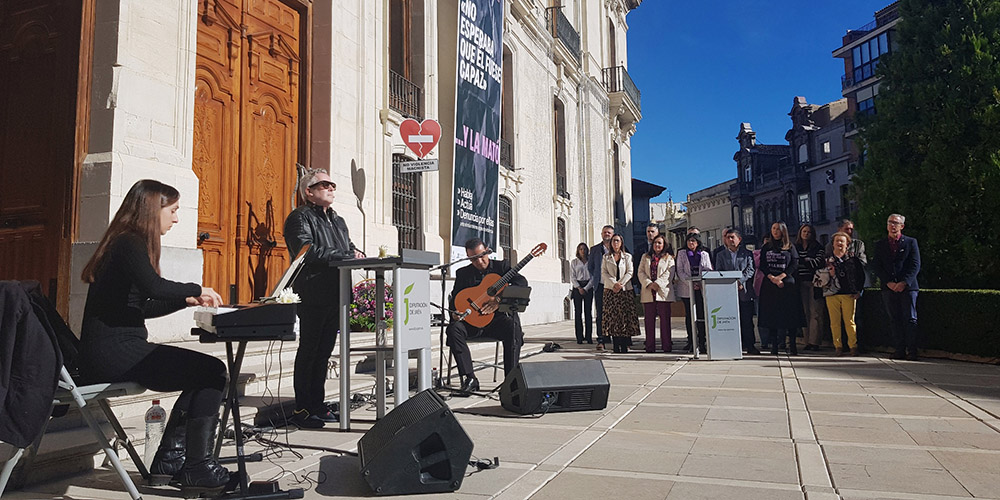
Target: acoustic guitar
{"x":472,"y":300}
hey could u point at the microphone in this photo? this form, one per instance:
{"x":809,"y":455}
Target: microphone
{"x":482,"y":254}
{"x":462,"y":316}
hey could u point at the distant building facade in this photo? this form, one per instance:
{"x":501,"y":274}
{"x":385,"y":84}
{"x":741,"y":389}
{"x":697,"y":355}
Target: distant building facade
{"x":817,"y":143}
{"x":767,"y":186}
{"x":710,"y":210}
{"x":861,"y":50}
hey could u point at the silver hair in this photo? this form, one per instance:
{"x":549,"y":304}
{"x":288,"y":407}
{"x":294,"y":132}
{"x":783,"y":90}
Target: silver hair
{"x":902,"y":219}
{"x":307,"y":179}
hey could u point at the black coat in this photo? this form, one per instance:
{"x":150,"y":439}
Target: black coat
{"x":901,"y":266}
{"x":779,"y":307}
{"x":30,"y":362}
{"x":125,"y":292}
{"x":330,"y":242}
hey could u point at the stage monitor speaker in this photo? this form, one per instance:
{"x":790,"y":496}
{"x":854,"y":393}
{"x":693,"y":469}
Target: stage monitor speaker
{"x":550,"y":386}
{"x":419,"y":447}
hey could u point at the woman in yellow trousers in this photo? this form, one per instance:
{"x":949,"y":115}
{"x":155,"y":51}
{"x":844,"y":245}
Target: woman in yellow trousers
{"x":847,"y":279}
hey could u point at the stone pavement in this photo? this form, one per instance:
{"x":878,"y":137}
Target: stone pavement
{"x":811,"y":427}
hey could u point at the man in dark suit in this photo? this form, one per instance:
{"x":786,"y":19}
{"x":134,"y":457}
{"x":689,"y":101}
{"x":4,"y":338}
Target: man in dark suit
{"x":505,"y":327}
{"x":594,"y":266}
{"x":897,"y":262}
{"x":733,"y":257}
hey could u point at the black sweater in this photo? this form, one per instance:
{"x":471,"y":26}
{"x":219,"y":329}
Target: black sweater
{"x":126,"y":290}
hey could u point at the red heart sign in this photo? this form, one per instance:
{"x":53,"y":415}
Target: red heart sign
{"x":420,"y":137}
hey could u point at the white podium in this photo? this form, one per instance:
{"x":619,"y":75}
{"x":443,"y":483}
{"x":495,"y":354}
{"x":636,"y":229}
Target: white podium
{"x":722,"y":314}
{"x":411,"y":326}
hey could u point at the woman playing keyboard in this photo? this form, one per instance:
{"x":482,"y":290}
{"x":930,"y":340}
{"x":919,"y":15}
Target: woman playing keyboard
{"x":125,"y":289}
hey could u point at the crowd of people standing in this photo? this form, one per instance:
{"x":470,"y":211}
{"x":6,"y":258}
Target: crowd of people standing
{"x":793,"y":285}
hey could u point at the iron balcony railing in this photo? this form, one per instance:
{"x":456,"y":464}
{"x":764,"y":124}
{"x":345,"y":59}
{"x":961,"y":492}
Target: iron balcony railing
{"x":560,"y":27}
{"x":616,"y":79}
{"x":506,"y":154}
{"x":405,"y":96}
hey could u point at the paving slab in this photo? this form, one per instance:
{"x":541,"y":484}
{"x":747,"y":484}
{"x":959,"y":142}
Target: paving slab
{"x":813,"y":427}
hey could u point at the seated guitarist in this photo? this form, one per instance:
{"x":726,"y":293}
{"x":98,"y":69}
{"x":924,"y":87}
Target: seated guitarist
{"x":504,"y":327}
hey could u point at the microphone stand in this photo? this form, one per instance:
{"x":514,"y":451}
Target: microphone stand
{"x":444,"y":268}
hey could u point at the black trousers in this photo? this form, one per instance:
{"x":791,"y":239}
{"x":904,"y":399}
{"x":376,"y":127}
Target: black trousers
{"x":746,"y":324}
{"x":599,"y":307}
{"x":318,"y":326}
{"x":200,"y":378}
{"x":699,"y":302}
{"x":582,"y":308}
{"x":504,"y":328}
{"x":902,"y":310}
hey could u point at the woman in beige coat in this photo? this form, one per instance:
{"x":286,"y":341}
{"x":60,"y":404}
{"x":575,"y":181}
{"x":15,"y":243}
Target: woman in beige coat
{"x":619,"y":317}
{"x":656,"y":271}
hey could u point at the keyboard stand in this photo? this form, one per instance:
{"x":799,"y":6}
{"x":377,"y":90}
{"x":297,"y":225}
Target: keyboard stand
{"x":234,"y":361}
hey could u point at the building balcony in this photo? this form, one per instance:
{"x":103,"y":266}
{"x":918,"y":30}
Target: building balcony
{"x":506,"y":154}
{"x":405,"y":96}
{"x":623,"y":95}
{"x":561,"y":29}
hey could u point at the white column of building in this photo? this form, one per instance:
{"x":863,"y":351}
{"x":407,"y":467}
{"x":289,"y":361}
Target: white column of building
{"x":141,"y":127}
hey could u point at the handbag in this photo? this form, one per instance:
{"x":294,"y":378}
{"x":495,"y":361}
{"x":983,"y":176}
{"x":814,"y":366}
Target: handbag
{"x":824,"y":284}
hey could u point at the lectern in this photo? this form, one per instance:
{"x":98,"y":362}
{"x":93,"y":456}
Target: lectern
{"x":411,"y":325}
{"x":722,"y":314}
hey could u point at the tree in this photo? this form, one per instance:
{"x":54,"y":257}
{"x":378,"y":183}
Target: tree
{"x":933,"y":148}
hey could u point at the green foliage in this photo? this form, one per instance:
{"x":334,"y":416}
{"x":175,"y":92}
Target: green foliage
{"x":934,"y":145}
{"x":957,"y":321}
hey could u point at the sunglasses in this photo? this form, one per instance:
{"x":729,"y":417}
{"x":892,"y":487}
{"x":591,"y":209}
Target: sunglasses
{"x":324,"y":185}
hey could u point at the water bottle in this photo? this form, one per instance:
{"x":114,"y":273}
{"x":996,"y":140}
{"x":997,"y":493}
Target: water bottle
{"x":156,"y":421}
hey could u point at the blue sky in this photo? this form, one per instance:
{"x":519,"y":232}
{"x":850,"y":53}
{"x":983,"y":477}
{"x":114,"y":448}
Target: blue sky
{"x":704,"y":67}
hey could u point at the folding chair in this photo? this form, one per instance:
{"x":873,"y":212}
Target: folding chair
{"x":69,"y":393}
{"x":81,"y":397}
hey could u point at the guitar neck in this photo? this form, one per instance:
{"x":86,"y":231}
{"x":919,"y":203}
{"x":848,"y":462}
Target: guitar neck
{"x":509,"y":275}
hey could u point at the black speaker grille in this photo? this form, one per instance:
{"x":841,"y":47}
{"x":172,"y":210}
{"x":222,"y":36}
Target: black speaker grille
{"x":575,"y":399}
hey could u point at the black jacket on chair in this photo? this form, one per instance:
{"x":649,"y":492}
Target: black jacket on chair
{"x":330,"y":242}
{"x":30,"y":362}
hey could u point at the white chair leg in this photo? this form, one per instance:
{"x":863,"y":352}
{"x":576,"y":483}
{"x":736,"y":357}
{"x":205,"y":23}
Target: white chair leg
{"x":101,"y":439}
{"x":8,"y":468}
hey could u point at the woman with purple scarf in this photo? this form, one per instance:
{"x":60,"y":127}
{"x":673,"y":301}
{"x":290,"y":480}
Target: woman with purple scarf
{"x":691,"y":261}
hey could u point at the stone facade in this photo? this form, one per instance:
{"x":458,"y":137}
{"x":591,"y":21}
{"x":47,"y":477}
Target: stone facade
{"x":710,"y":210}
{"x":141,"y":125}
{"x":817,"y":141}
{"x":767,"y":186}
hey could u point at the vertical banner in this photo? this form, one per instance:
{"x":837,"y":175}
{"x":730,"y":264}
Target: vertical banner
{"x":477,"y":124}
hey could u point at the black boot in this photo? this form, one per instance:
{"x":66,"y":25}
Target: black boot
{"x":202,"y":473}
{"x":169,"y":458}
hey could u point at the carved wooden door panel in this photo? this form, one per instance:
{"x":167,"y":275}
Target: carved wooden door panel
{"x":39,"y":59}
{"x":269,"y":144}
{"x":246,"y":138}
{"x":216,"y":139}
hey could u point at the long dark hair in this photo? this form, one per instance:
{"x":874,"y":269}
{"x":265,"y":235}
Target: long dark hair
{"x":139,"y":214}
{"x":586,"y":251}
{"x":800,"y":241}
{"x":667,"y":249}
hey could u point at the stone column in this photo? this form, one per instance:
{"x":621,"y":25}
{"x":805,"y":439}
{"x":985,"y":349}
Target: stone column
{"x":141,"y":127}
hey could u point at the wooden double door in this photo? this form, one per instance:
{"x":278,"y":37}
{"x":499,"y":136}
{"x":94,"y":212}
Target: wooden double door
{"x":246,"y":135}
{"x":40,"y":53}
